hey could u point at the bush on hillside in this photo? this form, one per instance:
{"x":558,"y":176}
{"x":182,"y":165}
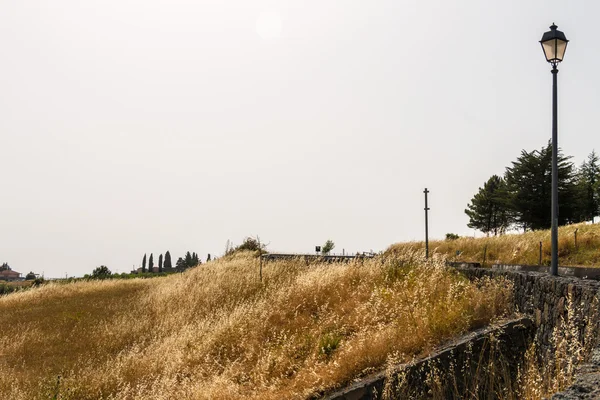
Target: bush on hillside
{"x":249,"y":244}
{"x":102,"y":272}
{"x":38,"y":281}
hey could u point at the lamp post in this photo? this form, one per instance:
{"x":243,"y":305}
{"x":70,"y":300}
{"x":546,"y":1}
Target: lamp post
{"x":554,"y":44}
{"x":426,"y":226}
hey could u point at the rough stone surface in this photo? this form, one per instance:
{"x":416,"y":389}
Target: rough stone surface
{"x":587,"y":381}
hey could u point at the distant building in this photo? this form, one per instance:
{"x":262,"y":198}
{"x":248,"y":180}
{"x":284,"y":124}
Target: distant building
{"x":7,"y":274}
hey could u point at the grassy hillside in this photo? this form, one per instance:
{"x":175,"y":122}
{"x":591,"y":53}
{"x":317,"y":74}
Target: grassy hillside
{"x":519,"y":248}
{"x":216,"y":332}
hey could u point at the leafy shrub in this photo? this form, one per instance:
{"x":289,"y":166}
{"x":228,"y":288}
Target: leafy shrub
{"x":328,"y":343}
{"x":102,"y":272}
{"x":249,"y":244}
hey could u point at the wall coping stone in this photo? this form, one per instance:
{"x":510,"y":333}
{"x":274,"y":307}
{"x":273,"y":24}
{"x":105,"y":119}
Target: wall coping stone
{"x":579,"y":272}
{"x":589,"y":284}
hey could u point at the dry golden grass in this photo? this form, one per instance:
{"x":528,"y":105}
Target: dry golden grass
{"x":519,"y":248}
{"x":217,"y":332}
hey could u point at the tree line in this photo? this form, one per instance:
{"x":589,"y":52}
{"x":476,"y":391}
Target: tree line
{"x":521,"y":199}
{"x":164,"y":265}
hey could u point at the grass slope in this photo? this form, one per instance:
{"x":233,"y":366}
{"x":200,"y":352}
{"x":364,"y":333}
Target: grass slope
{"x":519,"y":248}
{"x":217,"y":332}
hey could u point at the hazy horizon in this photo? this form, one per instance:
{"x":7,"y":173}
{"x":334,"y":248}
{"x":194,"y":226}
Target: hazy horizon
{"x":132,"y":127}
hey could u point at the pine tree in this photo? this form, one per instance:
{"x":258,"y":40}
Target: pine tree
{"x":327,"y":247}
{"x":144,"y":264}
{"x":181,"y":265}
{"x":151,"y":264}
{"x":160,"y":263}
{"x":488,"y":210}
{"x":188,"y":259}
{"x":167,"y":263}
{"x":529,"y":182}
{"x":588,"y":185}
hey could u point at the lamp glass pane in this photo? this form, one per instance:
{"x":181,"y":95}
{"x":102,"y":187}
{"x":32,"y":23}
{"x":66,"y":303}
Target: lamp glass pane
{"x":549,"y":49}
{"x":561,"y":46}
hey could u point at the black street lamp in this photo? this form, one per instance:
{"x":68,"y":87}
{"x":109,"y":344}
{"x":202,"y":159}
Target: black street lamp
{"x":554,"y":44}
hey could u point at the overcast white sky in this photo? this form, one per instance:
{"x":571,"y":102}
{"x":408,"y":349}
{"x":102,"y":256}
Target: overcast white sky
{"x":140,"y":126}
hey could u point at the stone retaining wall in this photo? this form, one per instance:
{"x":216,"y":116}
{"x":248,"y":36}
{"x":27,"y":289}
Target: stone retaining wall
{"x":502,"y":345}
{"x":546,"y":298}
{"x":550,"y":300}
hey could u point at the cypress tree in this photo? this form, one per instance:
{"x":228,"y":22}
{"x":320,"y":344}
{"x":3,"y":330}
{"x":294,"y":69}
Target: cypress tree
{"x":167,"y":264}
{"x":188,"y":259}
{"x":144,"y":264}
{"x":151,"y":264}
{"x":160,"y":263}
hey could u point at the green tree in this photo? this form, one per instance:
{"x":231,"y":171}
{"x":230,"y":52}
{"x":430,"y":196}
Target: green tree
{"x":529,"y":183}
{"x":160,"y":263}
{"x":327,"y":247}
{"x":102,"y":272}
{"x":30,"y":276}
{"x":195,"y":260}
{"x":167,"y":263}
{"x":188,"y":259}
{"x":144,"y":264}
{"x":181,"y":265}
{"x":488,"y":210}
{"x":588,"y":185}
{"x":151,"y":263}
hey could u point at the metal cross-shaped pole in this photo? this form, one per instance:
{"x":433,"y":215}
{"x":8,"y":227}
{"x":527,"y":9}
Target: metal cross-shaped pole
{"x":426,"y":226}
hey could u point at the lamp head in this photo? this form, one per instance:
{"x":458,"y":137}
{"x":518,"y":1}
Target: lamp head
{"x":554,"y":44}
